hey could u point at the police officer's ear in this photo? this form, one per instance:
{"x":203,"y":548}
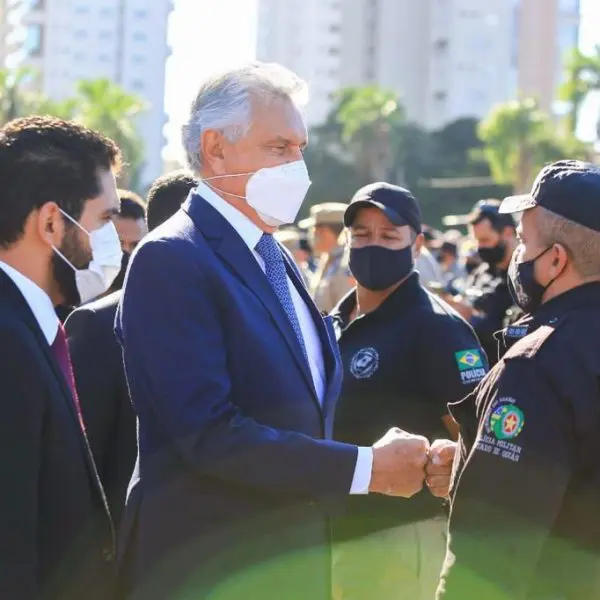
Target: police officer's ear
{"x":418,"y":245}
{"x":558,"y":259}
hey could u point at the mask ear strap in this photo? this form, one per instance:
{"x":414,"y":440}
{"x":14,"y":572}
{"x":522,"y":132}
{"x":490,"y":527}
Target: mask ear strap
{"x":215,"y":189}
{"x":74,"y":221}
{"x":226,"y":176}
{"x":64,"y":258}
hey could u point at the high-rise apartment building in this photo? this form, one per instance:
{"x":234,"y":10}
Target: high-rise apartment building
{"x":547,"y":30}
{"x":122,"y":40}
{"x":304,"y":35}
{"x":446,"y":58}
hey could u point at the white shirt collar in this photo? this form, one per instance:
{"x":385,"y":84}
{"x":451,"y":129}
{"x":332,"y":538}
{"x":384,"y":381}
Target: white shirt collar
{"x":247,"y":230}
{"x":39,"y":302}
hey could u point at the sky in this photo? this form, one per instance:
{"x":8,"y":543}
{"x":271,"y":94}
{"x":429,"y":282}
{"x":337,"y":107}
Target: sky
{"x":205,"y":36}
{"x":212,"y":35}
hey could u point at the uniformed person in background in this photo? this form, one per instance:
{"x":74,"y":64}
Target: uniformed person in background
{"x":331,"y":279}
{"x":486,"y":299}
{"x":291,"y":238}
{"x":430,"y":271}
{"x":405,"y":355}
{"x":526,"y":491}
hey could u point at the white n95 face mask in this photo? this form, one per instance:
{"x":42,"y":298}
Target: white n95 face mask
{"x":275,"y":193}
{"x":105,"y":264}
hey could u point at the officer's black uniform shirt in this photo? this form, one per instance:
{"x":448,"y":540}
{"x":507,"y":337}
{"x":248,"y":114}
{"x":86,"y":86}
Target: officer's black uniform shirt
{"x":487,"y":290}
{"x":526,"y":324}
{"x":525,"y":516}
{"x":402,"y":364}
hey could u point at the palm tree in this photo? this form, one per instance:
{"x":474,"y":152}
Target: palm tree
{"x":370,"y":118}
{"x":583,"y":77}
{"x":519,"y":139}
{"x":17,"y":100}
{"x":106,"y":107}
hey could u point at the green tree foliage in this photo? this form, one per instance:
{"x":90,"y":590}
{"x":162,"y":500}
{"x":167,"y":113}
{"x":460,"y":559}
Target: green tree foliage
{"x":98,"y":104}
{"x":106,"y":107}
{"x":366,"y":137}
{"x":519,"y":139}
{"x":582,"y":77}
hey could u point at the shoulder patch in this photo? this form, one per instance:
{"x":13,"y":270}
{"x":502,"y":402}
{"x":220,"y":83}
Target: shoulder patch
{"x":529,"y":346}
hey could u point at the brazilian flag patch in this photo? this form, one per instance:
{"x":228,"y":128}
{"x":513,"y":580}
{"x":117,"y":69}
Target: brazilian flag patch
{"x":470,"y":365}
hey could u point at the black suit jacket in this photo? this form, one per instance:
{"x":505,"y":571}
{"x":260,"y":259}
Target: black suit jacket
{"x":102,"y":388}
{"x":56,"y":535}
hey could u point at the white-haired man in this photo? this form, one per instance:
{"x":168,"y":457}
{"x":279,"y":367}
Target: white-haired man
{"x":234,"y":374}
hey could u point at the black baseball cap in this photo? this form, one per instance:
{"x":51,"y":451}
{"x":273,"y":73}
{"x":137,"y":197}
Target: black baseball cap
{"x":487,"y":208}
{"x":397,"y":203}
{"x":569,"y":188}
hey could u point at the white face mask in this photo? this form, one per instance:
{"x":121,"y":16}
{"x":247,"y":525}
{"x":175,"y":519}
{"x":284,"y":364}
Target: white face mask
{"x":105,"y":264}
{"x":275,"y":193}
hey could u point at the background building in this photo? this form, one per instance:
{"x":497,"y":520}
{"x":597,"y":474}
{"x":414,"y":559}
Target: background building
{"x":304,"y":35}
{"x":122,"y":40}
{"x":547,"y":30}
{"x":446,"y":58}
{"x":2,"y":31}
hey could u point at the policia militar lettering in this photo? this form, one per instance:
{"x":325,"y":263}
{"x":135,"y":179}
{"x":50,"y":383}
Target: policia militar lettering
{"x":525,"y":494}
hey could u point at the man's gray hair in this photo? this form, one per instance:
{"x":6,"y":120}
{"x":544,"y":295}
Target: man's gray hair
{"x":224,"y":103}
{"x":581,"y":243}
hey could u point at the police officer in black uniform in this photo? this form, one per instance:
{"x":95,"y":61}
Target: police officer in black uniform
{"x":486,"y":301}
{"x":405,"y":355}
{"x":525,"y":508}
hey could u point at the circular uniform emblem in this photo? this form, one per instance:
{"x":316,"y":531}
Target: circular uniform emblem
{"x":364,"y":363}
{"x":507,"y":421}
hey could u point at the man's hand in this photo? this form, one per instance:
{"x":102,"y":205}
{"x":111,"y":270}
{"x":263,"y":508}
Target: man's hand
{"x":439,"y":467}
{"x":399,"y":460}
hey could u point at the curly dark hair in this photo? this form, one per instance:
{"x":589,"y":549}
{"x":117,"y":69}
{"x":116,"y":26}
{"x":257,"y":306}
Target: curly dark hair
{"x":43,"y":159}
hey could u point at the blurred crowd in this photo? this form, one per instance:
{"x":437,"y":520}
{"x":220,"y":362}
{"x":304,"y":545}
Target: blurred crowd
{"x":467,"y":267}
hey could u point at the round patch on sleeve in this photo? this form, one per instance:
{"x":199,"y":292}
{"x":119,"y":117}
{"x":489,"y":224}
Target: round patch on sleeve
{"x":506,"y":421}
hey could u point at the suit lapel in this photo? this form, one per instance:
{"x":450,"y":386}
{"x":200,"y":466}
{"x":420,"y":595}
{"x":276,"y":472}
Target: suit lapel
{"x":20,"y":305}
{"x":329,"y":351}
{"x":232,"y":249}
{"x":237,"y":255}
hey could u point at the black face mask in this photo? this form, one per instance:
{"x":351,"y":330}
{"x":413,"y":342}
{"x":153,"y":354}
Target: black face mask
{"x":493,"y":256}
{"x":524,"y":289}
{"x":378,"y":268}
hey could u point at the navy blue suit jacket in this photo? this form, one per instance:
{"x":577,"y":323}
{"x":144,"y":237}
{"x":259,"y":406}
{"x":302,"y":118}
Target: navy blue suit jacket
{"x":235,"y":467}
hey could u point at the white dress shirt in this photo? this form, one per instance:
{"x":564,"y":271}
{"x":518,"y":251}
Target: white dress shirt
{"x":39,"y":302}
{"x":251,"y":234}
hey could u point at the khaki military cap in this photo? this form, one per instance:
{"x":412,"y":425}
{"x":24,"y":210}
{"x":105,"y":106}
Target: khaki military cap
{"x":289,"y":238}
{"x":328,"y":213}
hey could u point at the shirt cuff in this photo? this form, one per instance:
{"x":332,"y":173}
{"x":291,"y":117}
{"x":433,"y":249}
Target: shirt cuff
{"x":362,"y":472}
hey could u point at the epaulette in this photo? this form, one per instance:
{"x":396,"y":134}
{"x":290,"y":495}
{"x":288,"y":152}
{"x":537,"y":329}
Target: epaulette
{"x":530,"y":345}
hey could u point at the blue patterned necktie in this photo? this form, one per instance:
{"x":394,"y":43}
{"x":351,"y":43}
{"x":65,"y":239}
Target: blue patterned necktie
{"x":270,"y":252}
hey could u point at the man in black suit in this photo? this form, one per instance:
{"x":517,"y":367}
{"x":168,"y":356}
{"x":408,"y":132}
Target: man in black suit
{"x":57,"y":244}
{"x":98,"y":364}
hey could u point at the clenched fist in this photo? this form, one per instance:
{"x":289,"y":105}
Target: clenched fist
{"x":439,"y":467}
{"x":399,"y":460}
